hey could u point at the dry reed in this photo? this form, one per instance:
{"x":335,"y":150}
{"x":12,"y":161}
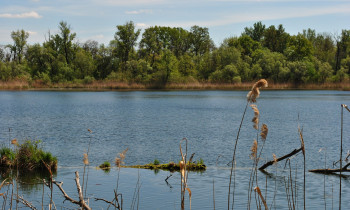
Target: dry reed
{"x":264,"y":132}
{"x":255,"y":92}
{"x":255,"y":119}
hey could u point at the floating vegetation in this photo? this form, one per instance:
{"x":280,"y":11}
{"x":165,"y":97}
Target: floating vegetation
{"x":190,"y":166}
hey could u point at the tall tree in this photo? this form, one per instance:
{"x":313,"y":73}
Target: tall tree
{"x":276,"y":39}
{"x":200,"y":40}
{"x":125,"y":39}
{"x":256,"y":32}
{"x":64,"y":41}
{"x":20,"y":40}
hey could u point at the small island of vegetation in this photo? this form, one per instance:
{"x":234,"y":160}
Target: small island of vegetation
{"x":171,"y":166}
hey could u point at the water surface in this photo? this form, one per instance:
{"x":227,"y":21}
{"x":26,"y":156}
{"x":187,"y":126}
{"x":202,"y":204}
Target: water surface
{"x":151,"y":125}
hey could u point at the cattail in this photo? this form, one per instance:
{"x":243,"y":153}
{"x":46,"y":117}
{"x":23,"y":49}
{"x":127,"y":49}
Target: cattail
{"x":86,"y":159}
{"x":264,"y":131}
{"x":254,"y":149}
{"x":117,"y":162}
{"x":274,"y":159}
{"x":122,"y":155}
{"x":255,"y":92}
{"x":14,"y":142}
{"x":255,"y":119}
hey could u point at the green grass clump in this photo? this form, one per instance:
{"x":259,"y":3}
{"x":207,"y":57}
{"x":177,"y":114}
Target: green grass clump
{"x":156,"y":162}
{"x":105,"y":165}
{"x":27,"y":156}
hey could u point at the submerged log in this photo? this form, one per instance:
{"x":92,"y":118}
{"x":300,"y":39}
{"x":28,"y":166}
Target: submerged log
{"x":331,"y":171}
{"x":271,"y":162}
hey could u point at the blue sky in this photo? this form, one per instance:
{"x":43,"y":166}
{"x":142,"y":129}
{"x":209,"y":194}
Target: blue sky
{"x":97,"y":19}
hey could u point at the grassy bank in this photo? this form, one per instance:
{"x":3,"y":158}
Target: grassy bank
{"x":113,"y":85}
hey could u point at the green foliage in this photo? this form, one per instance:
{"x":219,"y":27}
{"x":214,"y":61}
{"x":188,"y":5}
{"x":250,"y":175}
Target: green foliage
{"x":28,"y":156}
{"x":156,"y":162}
{"x":178,"y":56}
{"x":104,"y":165}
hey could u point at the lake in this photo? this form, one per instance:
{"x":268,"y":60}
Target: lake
{"x":151,"y":125}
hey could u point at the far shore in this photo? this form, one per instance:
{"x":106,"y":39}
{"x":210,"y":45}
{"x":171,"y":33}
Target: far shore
{"x":124,"y":86}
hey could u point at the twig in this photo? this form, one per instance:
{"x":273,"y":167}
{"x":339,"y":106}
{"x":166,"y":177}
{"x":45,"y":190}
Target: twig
{"x":110,"y":202}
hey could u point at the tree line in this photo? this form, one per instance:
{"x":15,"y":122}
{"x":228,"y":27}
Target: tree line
{"x":163,"y":55}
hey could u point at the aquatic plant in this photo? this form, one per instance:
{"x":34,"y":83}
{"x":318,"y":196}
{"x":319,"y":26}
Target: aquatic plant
{"x":27,"y":156}
{"x":105,"y":165}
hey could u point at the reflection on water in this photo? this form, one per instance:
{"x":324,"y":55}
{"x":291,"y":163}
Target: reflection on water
{"x":151,"y":125}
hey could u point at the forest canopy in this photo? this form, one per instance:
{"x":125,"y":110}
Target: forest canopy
{"x":173,"y":55}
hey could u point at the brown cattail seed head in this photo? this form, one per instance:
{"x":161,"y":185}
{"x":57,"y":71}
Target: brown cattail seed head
{"x":254,"y":149}
{"x":86,"y":159}
{"x":264,"y":131}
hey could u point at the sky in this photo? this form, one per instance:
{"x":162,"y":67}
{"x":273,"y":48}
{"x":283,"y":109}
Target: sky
{"x":97,"y":19}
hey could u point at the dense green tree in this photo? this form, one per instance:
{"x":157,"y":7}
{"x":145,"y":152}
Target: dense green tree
{"x":275,"y":39}
{"x":298,"y":48}
{"x":200,"y":40}
{"x":19,"y":38}
{"x":63,"y":42}
{"x":125,"y":40}
{"x":256,"y":32}
{"x":84,"y":64}
{"x":343,"y":48}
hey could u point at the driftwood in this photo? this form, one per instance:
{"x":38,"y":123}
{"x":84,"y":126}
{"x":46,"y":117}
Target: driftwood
{"x":331,"y":171}
{"x":271,"y":162}
{"x":81,"y":201}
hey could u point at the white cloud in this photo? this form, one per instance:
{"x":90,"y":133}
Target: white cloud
{"x":141,"y":25}
{"x":32,"y":33}
{"x":21,"y":15}
{"x":137,"y":12}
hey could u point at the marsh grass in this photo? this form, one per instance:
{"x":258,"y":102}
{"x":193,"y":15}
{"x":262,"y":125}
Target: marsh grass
{"x":27,"y":156}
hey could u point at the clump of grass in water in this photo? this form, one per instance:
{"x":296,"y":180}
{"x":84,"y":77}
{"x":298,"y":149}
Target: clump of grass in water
{"x":105,"y":165}
{"x":27,"y":156}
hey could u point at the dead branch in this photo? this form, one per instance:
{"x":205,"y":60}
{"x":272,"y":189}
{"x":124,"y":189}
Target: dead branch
{"x":271,"y":162}
{"x":25,"y":202}
{"x":331,"y":171}
{"x":81,"y":201}
{"x":65,"y":195}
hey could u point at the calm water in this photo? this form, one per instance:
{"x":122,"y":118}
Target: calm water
{"x":151,"y":124}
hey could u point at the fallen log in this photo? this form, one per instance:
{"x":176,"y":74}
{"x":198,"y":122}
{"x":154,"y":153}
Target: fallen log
{"x":330,"y":170}
{"x":271,"y":162}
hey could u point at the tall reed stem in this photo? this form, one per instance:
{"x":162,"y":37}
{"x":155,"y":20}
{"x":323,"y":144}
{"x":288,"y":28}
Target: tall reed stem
{"x":233,"y":160}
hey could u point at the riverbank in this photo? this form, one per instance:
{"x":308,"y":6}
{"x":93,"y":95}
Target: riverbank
{"x":112,"y":85}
